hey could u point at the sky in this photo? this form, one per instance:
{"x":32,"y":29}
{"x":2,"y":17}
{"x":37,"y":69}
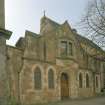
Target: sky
{"x":21,"y":15}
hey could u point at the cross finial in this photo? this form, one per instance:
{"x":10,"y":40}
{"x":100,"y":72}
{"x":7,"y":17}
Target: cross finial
{"x":44,"y":13}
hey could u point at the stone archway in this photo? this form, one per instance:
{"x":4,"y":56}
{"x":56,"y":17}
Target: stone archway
{"x":64,"y":86}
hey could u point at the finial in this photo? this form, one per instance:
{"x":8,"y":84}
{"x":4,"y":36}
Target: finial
{"x":44,"y":13}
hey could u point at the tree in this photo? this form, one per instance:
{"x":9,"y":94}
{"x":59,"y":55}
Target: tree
{"x":94,"y":21}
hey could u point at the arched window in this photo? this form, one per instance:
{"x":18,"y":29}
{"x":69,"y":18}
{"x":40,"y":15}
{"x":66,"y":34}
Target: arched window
{"x":87,"y":81}
{"x":37,"y":78}
{"x":51,"y":79}
{"x":80,"y":80}
{"x":96,"y":82}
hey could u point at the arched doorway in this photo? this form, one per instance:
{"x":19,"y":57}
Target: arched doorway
{"x":64,"y":86}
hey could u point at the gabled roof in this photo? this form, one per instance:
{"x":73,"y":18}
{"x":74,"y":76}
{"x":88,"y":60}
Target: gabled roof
{"x":100,"y":55}
{"x":53,"y":23}
{"x":31,"y":34}
{"x":87,"y":41}
{"x":66,"y":24}
{"x":80,"y":38}
{"x":55,"y":26}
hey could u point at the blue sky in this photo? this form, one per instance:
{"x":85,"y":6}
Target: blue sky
{"x":24,"y":15}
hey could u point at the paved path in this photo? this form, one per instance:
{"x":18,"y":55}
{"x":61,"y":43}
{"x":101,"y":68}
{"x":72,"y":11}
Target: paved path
{"x":93,"y":101}
{"x":89,"y":101}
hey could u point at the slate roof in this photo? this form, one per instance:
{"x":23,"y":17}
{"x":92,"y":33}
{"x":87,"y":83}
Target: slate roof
{"x":87,"y":41}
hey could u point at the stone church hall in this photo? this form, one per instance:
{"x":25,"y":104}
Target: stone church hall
{"x":54,"y":65}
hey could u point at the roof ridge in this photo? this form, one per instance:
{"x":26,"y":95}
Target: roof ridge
{"x":44,"y":17}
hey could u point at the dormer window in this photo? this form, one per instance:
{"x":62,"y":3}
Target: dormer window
{"x":66,"y":48}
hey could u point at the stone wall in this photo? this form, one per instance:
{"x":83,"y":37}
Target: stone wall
{"x":14,"y":65}
{"x":3,"y":73}
{"x":28,"y":93}
{"x":85,"y":91}
{"x":2,"y":13}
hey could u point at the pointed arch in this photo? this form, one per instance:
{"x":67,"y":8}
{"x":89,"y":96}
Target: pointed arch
{"x":80,"y":80}
{"x":87,"y":80}
{"x":37,"y":78}
{"x":50,"y":79}
{"x":97,"y":82}
{"x":64,"y":85}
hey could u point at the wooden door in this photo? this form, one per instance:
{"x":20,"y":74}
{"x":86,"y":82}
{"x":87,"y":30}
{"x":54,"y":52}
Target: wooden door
{"x":64,"y":86}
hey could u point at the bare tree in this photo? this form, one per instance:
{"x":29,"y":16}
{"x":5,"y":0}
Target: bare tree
{"x":94,"y":21}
